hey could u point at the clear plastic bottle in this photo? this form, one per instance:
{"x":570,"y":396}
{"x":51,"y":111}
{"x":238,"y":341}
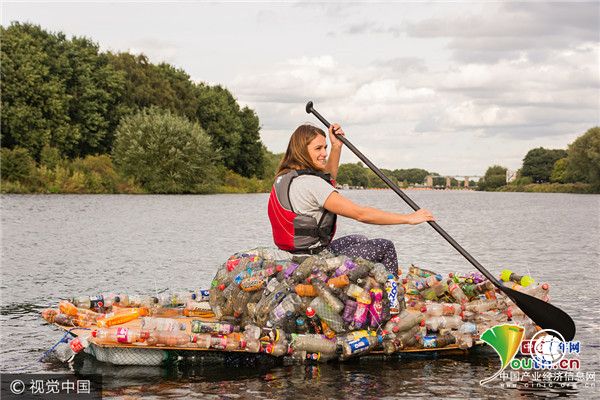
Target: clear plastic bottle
{"x":212,"y":327}
{"x":352,"y":348}
{"x":481,"y":305}
{"x":162,"y":324}
{"x":120,"y":335}
{"x":65,"y":352}
{"x":349,"y":311}
{"x":358,"y":293}
{"x":142,"y":301}
{"x":252,"y":283}
{"x":325,"y":293}
{"x":456,"y":292}
{"x":404,"y":321}
{"x":326,"y":313}
{"x":438,"y":309}
{"x":416,"y":271}
{"x":169,"y":339}
{"x":314,"y":322}
{"x":313,"y":343}
{"x":304,"y":270}
{"x":90,"y":302}
{"x":443,"y":322}
{"x":200,"y":340}
{"x":361,"y":271}
{"x":240,"y":302}
{"x":539,"y":291}
{"x":252,"y":345}
{"x":345,"y":267}
{"x":290,"y":304}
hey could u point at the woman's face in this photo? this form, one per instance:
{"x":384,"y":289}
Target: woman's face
{"x":317,"y":149}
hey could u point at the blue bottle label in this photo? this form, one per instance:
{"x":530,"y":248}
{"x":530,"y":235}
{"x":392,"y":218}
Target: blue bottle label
{"x":358,"y":345}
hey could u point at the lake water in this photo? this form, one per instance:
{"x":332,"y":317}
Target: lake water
{"x":54,"y":246}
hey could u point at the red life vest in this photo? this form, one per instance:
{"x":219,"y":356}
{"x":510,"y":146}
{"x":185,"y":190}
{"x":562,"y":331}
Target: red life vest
{"x":298,"y":232}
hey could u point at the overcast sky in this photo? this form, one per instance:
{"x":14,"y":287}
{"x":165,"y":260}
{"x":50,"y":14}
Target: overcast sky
{"x":448,"y":87}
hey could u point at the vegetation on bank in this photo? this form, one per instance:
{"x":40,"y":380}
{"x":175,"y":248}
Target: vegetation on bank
{"x":574,"y":170}
{"x":78,"y":120}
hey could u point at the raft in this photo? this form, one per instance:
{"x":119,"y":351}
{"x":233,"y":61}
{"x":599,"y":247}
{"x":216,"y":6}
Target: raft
{"x":145,"y":355}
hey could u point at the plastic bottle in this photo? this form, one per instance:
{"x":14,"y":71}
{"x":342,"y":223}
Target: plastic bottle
{"x":121,"y":335}
{"x":304,"y":270}
{"x":361,"y":314}
{"x":416,"y":271}
{"x":212,"y":327}
{"x":376,"y":306}
{"x":326,"y":313}
{"x":122,"y":317}
{"x":218,"y":342}
{"x":508,"y":276}
{"x":356,"y":347}
{"x":313,"y":343}
{"x":345,"y":267}
{"x":404,"y":321}
{"x":67,"y":308}
{"x":252,"y":345}
{"x":358,"y":293}
{"x":90,"y":302}
{"x":162,"y":324}
{"x":481,"y":305}
{"x":391,"y":289}
{"x":467,"y":328}
{"x":235,"y":342}
{"x":456,"y":292}
{"x":290,"y":304}
{"x":142,"y":301}
{"x":280,"y":348}
{"x":379,"y":273}
{"x":358,"y":272}
{"x":349,"y":311}
{"x":314,"y":321}
{"x":252,"y":283}
{"x":325,"y":293}
{"x":540,"y":291}
{"x":197,"y":306}
{"x":430,"y":281}
{"x":437,"y":309}
{"x":301,"y":325}
{"x":460,"y":278}
{"x":67,"y":351}
{"x":339,"y":281}
{"x":437,"y":341}
{"x":267,"y":303}
{"x":443,"y":322}
{"x":305,"y":290}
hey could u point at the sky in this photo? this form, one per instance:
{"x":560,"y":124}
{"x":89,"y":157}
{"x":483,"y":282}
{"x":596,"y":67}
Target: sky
{"x":450,"y":87}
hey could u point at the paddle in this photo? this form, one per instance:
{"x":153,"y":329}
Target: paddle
{"x":542,"y":313}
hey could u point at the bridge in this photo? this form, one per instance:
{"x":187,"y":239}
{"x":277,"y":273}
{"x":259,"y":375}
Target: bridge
{"x":460,"y":178}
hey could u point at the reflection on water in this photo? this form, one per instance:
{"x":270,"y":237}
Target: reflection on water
{"x":55,"y":246}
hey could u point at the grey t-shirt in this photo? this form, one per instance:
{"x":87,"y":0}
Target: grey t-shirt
{"x":308,"y":194}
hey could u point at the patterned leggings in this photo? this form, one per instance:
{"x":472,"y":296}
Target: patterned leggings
{"x":376,"y":250}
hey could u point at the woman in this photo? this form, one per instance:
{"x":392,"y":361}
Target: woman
{"x":304,"y":204}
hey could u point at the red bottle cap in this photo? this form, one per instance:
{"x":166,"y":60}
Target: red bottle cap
{"x":509,"y":314}
{"x":395,"y":329}
{"x":279,"y":268}
{"x":423,"y":309}
{"x":422,"y":323}
{"x":451,"y":274}
{"x":404,"y":281}
{"x":94,"y":333}
{"x":221,"y":287}
{"x":545,"y":286}
{"x":310,"y":312}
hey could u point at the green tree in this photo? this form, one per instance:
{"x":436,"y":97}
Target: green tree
{"x":584,"y":157}
{"x":165,"y":153}
{"x":17,"y":165}
{"x":219,"y":114}
{"x":538,"y":163}
{"x":412,"y":175}
{"x":559,"y":171}
{"x":250,"y":160}
{"x":271,"y":163}
{"x":353,"y":175}
{"x":56,"y":92}
{"x":494,"y":177}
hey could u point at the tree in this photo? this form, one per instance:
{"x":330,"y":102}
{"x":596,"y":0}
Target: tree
{"x":56,"y":92}
{"x":584,"y":157}
{"x":353,"y":175}
{"x":412,"y":175}
{"x":559,"y":171}
{"x":494,"y":177}
{"x":538,"y":163}
{"x":165,"y":153}
{"x":250,"y":160}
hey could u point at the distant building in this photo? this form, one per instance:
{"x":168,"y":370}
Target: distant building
{"x":510,"y":175}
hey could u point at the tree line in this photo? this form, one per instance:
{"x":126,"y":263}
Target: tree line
{"x":63,"y":98}
{"x":575,"y":169}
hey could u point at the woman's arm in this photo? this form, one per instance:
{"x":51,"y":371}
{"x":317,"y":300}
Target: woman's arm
{"x":338,"y":204}
{"x":333,"y":161}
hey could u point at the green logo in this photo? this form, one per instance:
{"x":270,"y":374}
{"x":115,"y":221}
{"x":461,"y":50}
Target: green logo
{"x":506,"y":340}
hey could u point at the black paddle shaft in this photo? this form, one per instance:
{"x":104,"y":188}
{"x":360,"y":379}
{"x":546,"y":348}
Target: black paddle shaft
{"x":542,"y":313}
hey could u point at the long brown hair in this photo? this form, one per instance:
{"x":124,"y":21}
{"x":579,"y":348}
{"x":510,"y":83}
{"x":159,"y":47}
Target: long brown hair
{"x":297,"y":156}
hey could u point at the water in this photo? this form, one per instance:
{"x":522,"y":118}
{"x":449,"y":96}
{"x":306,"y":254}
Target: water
{"x":54,"y":246}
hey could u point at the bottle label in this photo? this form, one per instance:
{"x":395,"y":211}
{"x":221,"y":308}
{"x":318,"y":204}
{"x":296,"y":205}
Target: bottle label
{"x":392,"y":292}
{"x":279,"y":311}
{"x":122,"y":335}
{"x":96,"y":302}
{"x":358,"y":345}
{"x":76,"y":345}
{"x":430,"y":341}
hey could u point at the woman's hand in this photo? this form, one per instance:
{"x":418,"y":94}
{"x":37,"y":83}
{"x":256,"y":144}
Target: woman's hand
{"x":422,"y":215}
{"x":335,"y":142}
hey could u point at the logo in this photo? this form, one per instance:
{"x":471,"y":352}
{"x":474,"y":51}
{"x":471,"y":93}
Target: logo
{"x":547,"y":349}
{"x":506,"y":340}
